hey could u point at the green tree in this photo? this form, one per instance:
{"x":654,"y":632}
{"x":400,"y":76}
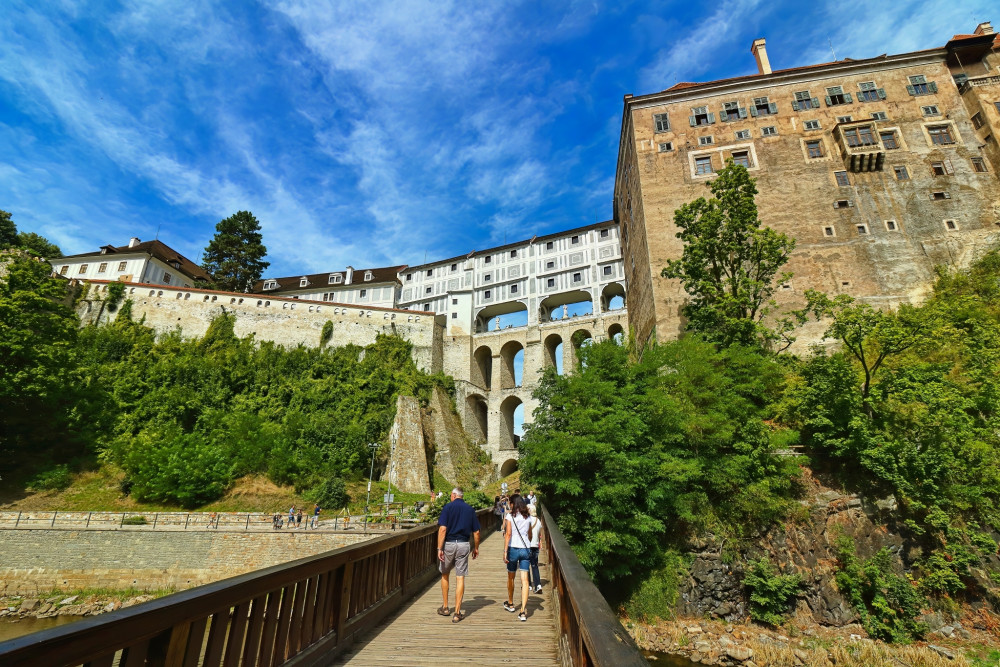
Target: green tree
{"x":38,"y":245}
{"x":235,"y":255}
{"x":8,"y":230}
{"x":729,"y":265}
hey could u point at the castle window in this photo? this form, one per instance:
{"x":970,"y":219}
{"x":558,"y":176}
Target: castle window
{"x":409,"y":277}
{"x":889,"y":140}
{"x":843,"y":203}
{"x":829,"y":231}
{"x":742,"y":157}
{"x":811,"y":125}
{"x":703,"y":165}
{"x":487,"y":294}
{"x":859,"y":136}
{"x":513,"y":253}
{"x":768,"y":131}
{"x":575,"y":240}
{"x":454,"y":268}
{"x":930,"y":110}
{"x":943,"y":168}
{"x":430,"y":272}
{"x":845,"y":119}
{"x":64,"y":270}
{"x":940,"y":196}
{"x":700,"y":116}
{"x":666,"y":147}
{"x":166,"y":278}
{"x":488,"y":259}
{"x":83,"y":268}
{"x":705,"y":141}
{"x":550,"y":265}
{"x":743,"y":134}
{"x":979,"y":165}
{"x":662,"y":122}
{"x":891,"y":226}
{"x":804,"y":101}
{"x":549,"y":245}
{"x":880,"y":115}
{"x":368,"y":276}
{"x":513,"y":289}
{"x":303,"y":282}
{"x":869,"y":93}
{"x":427,"y":307}
{"x":364,"y":293}
{"x":551,"y":282}
{"x":336,"y":279}
{"x":488,"y":277}
{"x":841,"y":177}
{"x":121,"y":266}
{"x":762,"y":107}
{"x":104,"y":265}
{"x":951,"y":225}
{"x":605,"y":233}
{"x":862,"y":229}
{"x":731,"y":111}
{"x":427,"y":290}
{"x":454,"y":316}
{"x":814,"y":148}
{"x":997,"y":105}
{"x":919,"y":85}
{"x":977,"y":120}
{"x":835,"y":96}
{"x":607,"y":270}
{"x":577,"y":277}
{"x":901,"y":173}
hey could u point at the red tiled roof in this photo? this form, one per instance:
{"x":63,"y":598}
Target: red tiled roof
{"x":381,"y":275}
{"x":157,"y":249}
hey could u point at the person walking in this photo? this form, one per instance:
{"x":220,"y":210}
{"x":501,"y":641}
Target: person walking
{"x":298,"y":519}
{"x":520,"y":526}
{"x":456,"y":526}
{"x":315,"y":519}
{"x":291,"y":517}
{"x":534,"y":577}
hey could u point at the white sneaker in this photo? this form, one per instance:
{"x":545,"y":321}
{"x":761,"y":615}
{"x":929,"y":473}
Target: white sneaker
{"x":538,"y":588}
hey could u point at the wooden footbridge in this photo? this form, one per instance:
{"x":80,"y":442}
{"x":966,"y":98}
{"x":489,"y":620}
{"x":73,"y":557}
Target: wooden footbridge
{"x":373,"y":603}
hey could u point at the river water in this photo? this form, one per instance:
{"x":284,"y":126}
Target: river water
{"x":666,"y":660}
{"x":13,"y":629}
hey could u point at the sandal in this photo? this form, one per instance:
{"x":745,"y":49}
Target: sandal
{"x":459,"y":615}
{"x":522,"y":616}
{"x":443,"y":611}
{"x":508,"y":606}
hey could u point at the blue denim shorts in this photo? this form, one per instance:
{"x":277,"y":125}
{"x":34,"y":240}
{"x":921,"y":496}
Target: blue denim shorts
{"x":518,"y":559}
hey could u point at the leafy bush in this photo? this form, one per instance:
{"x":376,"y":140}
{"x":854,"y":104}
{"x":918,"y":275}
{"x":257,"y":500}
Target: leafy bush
{"x":326,"y":334}
{"x":770,"y":593}
{"x":332,"y":494}
{"x":116,"y":292}
{"x":176,"y":467}
{"x":477,"y":499}
{"x":135,"y":521}
{"x":656,"y":594}
{"x":56,"y":478}
{"x":887,"y":603}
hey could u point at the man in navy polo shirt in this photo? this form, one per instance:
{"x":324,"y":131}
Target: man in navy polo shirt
{"x":457,"y":523}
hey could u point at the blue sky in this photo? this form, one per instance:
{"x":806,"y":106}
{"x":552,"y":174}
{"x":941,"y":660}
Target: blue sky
{"x":369,"y":133}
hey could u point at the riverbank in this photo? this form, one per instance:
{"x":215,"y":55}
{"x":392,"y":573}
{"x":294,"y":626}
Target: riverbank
{"x":751,"y":645}
{"x":73,"y":603}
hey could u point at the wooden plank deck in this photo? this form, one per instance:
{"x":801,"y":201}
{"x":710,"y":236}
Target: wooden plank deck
{"x":417,"y":635}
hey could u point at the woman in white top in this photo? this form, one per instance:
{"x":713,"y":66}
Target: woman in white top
{"x":534,"y":577}
{"x":520,"y":526}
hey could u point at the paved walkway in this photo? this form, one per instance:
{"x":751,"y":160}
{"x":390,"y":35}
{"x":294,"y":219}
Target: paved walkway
{"x":417,"y":635}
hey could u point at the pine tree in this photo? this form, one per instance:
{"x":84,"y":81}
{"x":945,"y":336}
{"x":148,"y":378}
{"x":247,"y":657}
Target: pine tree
{"x":235,"y":255}
{"x":8,"y":231}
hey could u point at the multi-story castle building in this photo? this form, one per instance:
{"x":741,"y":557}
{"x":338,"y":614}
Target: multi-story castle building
{"x":880,"y":169}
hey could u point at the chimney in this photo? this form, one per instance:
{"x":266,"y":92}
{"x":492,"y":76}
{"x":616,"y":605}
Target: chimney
{"x":133,"y":242}
{"x":759,"y":51}
{"x":984,"y":28}
{"x":349,"y":276}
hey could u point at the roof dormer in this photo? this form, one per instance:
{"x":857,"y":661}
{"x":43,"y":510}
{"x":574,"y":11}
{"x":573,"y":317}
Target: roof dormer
{"x":335,"y":279}
{"x":368,"y":276}
{"x":270,"y":284}
{"x":303,"y":282}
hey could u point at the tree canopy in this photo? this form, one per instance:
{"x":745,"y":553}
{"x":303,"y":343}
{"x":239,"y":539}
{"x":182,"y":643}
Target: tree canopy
{"x":8,"y":230}
{"x":730,"y":264}
{"x":235,"y":255}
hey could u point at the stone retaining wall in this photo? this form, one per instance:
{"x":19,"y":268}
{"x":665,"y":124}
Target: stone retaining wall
{"x":37,"y":560}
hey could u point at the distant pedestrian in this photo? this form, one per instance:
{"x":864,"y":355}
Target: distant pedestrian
{"x":213,"y":521}
{"x":520,"y":526}
{"x":498,"y":511}
{"x":298,"y":519}
{"x":291,"y":517}
{"x":456,"y":526}
{"x":315,"y":520}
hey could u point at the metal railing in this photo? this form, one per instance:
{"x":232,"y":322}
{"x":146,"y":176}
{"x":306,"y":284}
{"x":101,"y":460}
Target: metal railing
{"x":300,"y":613}
{"x":589,"y":631}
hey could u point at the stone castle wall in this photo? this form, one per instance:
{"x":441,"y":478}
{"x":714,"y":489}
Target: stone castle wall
{"x":285,"y":321}
{"x":38,"y":560}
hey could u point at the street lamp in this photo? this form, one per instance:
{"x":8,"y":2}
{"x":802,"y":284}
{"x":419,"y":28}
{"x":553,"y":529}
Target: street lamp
{"x":392,"y":468}
{"x":374,"y":447}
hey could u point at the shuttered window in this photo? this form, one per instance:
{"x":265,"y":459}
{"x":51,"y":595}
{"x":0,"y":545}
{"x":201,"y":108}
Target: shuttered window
{"x":835,"y":95}
{"x":804,"y":101}
{"x":868,"y":92}
{"x":662,"y":122}
{"x":919,"y":85}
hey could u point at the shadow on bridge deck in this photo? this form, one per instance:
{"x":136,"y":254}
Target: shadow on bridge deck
{"x":417,"y":635}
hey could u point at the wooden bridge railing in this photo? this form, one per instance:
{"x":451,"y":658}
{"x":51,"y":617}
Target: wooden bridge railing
{"x":589,"y":631}
{"x":300,"y":613}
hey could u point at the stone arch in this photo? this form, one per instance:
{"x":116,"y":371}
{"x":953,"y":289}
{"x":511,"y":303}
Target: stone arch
{"x":580,"y":338}
{"x":616,"y":332}
{"x":486,"y":316}
{"x":511,"y":365}
{"x":477,"y":418}
{"x":554,"y":352}
{"x":508,"y":427}
{"x":612,"y":297}
{"x":550,"y":308}
{"x":482,"y":366}
{"x":508,"y":467}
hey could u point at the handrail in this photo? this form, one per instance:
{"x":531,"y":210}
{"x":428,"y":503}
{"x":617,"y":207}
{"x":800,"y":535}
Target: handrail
{"x":304,"y":612}
{"x":589,"y":631}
